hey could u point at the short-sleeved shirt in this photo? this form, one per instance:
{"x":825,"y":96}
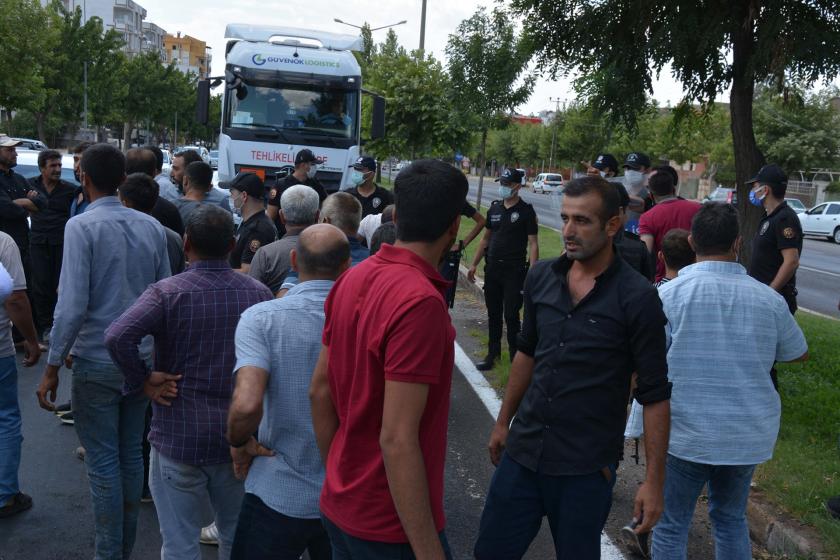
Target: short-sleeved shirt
{"x":468,"y":211}
{"x":10,"y":259}
{"x":252,"y":234}
{"x":48,"y":223}
{"x":572,"y":416}
{"x":510,"y":229}
{"x":674,"y":213}
{"x":289,"y":181}
{"x":718,"y":316}
{"x":777,"y":231}
{"x":374,"y":203}
{"x":273,"y":262}
{"x":167,"y":214}
{"x":386,"y":319}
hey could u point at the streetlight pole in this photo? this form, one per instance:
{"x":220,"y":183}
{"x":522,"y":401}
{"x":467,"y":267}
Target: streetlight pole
{"x":423,"y":27}
{"x":374,"y":29}
{"x":554,"y":131}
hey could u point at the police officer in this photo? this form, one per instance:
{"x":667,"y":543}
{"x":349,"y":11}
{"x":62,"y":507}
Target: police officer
{"x":778,"y":242}
{"x":247,"y":194}
{"x":636,"y":170}
{"x":306,"y":166}
{"x":604,"y":165}
{"x":374,"y":198}
{"x":511,"y":228}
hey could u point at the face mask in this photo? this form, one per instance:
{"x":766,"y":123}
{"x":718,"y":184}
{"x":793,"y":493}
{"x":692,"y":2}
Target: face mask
{"x":237,"y":208}
{"x":603,"y":174}
{"x":755,"y":200}
{"x":505,"y":192}
{"x":313,"y":169}
{"x":357,"y":177}
{"x":633,"y":178}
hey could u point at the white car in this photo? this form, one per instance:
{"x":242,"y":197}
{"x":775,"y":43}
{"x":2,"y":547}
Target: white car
{"x":27,"y":165}
{"x":548,"y":183}
{"x":823,"y":220}
{"x":796,"y":205}
{"x":202,"y":151}
{"x":167,"y":162}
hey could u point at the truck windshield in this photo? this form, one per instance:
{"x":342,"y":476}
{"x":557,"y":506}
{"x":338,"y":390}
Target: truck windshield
{"x":297,"y":109}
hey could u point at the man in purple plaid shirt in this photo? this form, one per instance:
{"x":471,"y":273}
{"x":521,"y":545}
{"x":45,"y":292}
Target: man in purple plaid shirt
{"x":193,"y":318}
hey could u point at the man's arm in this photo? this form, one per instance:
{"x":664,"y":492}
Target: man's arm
{"x":521,"y":371}
{"x":26,"y":204}
{"x":790,"y":263}
{"x":650,"y":500}
{"x":480,"y":222}
{"x":20,"y":312}
{"x":533,"y":250}
{"x":479,"y":254}
{"x":9,"y":209}
{"x":246,"y":407}
{"x":324,"y":416}
{"x":271,"y":211}
{"x":649,"y":241}
{"x":405,"y":468}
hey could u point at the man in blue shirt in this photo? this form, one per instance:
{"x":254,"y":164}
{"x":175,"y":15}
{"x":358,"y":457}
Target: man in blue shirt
{"x":725,"y":418}
{"x":277,"y":347}
{"x":111,"y":255}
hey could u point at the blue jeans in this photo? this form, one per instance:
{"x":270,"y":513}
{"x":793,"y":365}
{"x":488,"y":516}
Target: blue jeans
{"x":266,"y":534}
{"x":10,"y":436}
{"x":577,"y":507}
{"x":179,"y":491}
{"x":110,"y":428}
{"x":729,"y":488}
{"x":348,"y":547}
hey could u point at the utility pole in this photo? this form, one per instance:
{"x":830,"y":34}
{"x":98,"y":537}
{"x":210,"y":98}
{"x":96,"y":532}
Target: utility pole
{"x":84,"y":20}
{"x":423,"y":28}
{"x":556,"y":100}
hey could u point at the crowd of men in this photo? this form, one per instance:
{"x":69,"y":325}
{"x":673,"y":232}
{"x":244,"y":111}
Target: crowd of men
{"x":301,"y":384}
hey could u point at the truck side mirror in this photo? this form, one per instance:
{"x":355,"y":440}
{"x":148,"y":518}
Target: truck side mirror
{"x":202,"y":105}
{"x":377,"y":126}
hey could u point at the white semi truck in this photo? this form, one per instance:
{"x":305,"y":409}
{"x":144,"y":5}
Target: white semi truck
{"x":285,"y":90}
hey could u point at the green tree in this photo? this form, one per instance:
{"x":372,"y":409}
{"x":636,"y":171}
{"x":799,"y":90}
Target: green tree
{"x":487,"y":63}
{"x":618,"y":46}
{"x":24,"y":38}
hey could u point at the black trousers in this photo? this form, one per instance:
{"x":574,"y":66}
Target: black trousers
{"x":503,"y":282}
{"x":46,"y":270}
{"x":26,"y":262}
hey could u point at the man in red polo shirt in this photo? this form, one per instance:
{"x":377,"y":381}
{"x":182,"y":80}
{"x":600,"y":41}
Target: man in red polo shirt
{"x":669,"y":213}
{"x":380,"y":391}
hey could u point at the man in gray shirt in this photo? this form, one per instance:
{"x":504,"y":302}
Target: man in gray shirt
{"x":272,"y":262}
{"x":111,"y":255}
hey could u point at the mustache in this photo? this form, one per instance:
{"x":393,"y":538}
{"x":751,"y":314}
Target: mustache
{"x":571,"y":239}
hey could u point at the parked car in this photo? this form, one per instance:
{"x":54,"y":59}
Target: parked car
{"x":214,"y":159}
{"x":27,"y":165}
{"x":723,"y":194}
{"x":548,"y":183}
{"x":31,"y":144}
{"x":167,"y":162}
{"x":796,"y":204}
{"x":202,"y":151}
{"x":823,"y":220}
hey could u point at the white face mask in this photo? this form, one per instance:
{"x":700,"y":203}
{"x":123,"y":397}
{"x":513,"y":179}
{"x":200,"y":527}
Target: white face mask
{"x":633,"y":179}
{"x":237,"y":208}
{"x":313,"y":169}
{"x":603,"y":174}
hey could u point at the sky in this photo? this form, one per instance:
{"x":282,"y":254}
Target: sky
{"x":206,"y":20}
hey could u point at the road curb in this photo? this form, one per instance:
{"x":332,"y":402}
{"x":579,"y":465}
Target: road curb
{"x":475,"y":289}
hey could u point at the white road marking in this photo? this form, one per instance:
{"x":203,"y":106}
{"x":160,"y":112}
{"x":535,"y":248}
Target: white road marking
{"x":491,"y":401}
{"x":808,"y":268}
{"x":818,"y":314}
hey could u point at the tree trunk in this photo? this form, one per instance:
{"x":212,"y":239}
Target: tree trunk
{"x":39,"y":125}
{"x":126,"y":139}
{"x":748,"y":157}
{"x":483,"y":160}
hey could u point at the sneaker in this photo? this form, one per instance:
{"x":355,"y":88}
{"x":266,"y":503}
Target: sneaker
{"x":80,"y":453}
{"x":63,"y":408}
{"x":833,"y":506}
{"x":146,"y":498}
{"x":67,"y":418}
{"x":639,"y":544}
{"x":16,"y":504}
{"x":209,"y":535}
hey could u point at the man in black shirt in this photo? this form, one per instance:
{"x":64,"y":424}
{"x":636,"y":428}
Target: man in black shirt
{"x":511,"y":228}
{"x":247,"y":194}
{"x":306,"y":166}
{"x":590,"y":322}
{"x":630,"y":246}
{"x":778,"y":242}
{"x":143,"y":160}
{"x":47,"y":236}
{"x":374,"y":198}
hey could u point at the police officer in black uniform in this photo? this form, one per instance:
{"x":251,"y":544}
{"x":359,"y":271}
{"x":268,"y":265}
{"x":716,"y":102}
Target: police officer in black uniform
{"x":247,"y":195}
{"x":778,"y":242}
{"x":511,"y":230}
{"x":374,"y":198}
{"x":306,"y":166}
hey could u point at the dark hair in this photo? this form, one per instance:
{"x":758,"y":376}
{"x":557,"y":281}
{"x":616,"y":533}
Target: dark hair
{"x":610,"y":199}
{"x":676,"y":250}
{"x":778,"y":190}
{"x":661,"y":184}
{"x":189,"y":156}
{"x":714,"y":229}
{"x":210,"y":230}
{"x":623,"y":196}
{"x":386,"y":233}
{"x":47,"y":155}
{"x":323,"y":259}
{"x":80,"y":147}
{"x":200,"y":174}
{"x":675,"y":177}
{"x":158,"y":156}
{"x":388,"y":214}
{"x":140,"y":160}
{"x":105,"y":165}
{"x":141,"y":191}
{"x":429,"y":195}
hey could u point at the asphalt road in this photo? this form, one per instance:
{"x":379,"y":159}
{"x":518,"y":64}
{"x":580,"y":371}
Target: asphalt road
{"x":818,"y":277}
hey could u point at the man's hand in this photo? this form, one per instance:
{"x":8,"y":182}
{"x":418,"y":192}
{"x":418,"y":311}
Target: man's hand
{"x":32,"y":195}
{"x":650,"y":502}
{"x":31,"y":352}
{"x":471,"y":274}
{"x":48,"y":386}
{"x":244,"y":456}
{"x":161,"y":387}
{"x":68,"y":362}
{"x":496,"y":446}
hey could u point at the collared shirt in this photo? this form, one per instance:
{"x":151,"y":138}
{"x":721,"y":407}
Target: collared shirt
{"x":375,"y":202}
{"x":252,"y":234}
{"x":48,"y":224}
{"x":272,"y":263}
{"x":168,"y":190}
{"x":725,"y":330}
{"x":111,"y":255}
{"x":672,"y":213}
{"x":10,"y":259}
{"x":13,"y":217}
{"x":192,"y":317}
{"x":510,"y":229}
{"x":282,"y":338}
{"x":358,"y":253}
{"x":77,"y":207}
{"x":187,"y":206}
{"x":635,"y":253}
{"x":777,"y":231}
{"x":571,"y":419}
{"x":386,"y":319}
